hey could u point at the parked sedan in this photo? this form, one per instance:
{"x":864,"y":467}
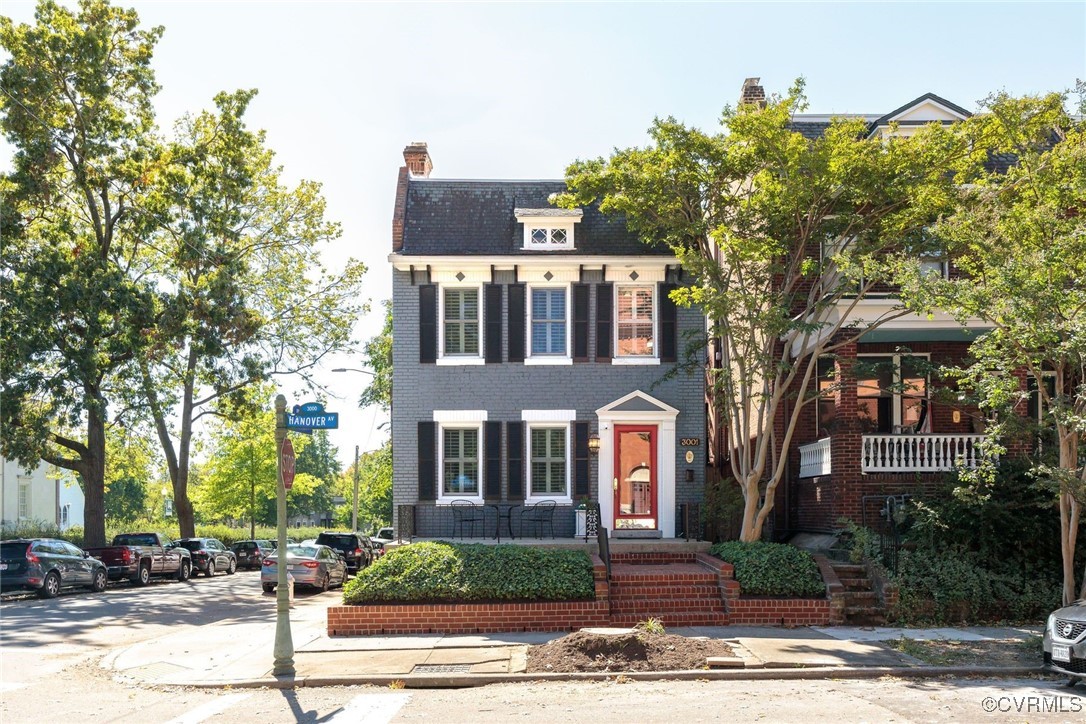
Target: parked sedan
{"x":209,"y":555}
{"x":316,"y":565}
{"x":1065,"y":641}
{"x":46,"y":565}
{"x":251,"y":553}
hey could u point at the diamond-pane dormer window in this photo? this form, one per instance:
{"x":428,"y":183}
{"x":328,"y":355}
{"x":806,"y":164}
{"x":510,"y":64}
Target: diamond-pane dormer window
{"x":539,"y":236}
{"x":558,"y":236}
{"x":548,"y":238}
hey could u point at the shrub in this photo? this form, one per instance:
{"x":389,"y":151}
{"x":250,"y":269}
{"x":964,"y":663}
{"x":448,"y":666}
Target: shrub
{"x":953,"y":586}
{"x":772,"y":569}
{"x":448,"y":572}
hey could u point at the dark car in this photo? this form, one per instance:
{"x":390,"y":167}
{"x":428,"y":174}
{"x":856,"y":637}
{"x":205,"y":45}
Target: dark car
{"x":356,"y":549}
{"x":1065,"y":641}
{"x":251,"y":553}
{"x":46,"y":565}
{"x":209,"y":555}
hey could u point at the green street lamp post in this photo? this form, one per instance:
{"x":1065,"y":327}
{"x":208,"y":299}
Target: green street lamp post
{"x":284,"y":644}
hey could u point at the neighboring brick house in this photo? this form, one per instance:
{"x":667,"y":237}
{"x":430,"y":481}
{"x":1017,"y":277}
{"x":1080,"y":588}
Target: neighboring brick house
{"x":523,"y":336}
{"x":880,"y":431}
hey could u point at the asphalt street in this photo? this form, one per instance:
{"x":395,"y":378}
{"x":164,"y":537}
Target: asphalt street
{"x":51,"y":654}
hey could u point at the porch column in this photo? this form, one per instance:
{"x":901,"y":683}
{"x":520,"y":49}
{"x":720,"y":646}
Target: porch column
{"x":846,"y":442}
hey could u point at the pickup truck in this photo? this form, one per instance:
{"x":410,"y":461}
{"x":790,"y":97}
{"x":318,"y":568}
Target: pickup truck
{"x":138,"y":556}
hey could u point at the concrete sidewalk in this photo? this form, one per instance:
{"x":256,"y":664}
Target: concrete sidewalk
{"x":240,"y":655}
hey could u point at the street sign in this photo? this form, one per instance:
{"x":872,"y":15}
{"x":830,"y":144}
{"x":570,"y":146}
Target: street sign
{"x":311,"y":416}
{"x":287,"y":461}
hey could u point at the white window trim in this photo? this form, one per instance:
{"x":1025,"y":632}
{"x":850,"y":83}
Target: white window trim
{"x":895,"y":408}
{"x":654,"y":358}
{"x":459,"y":359}
{"x":547,"y":359}
{"x":550,"y":223}
{"x":556,"y":421}
{"x":458,"y":420}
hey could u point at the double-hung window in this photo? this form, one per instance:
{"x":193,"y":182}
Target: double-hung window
{"x":892,"y":393}
{"x":460,"y":461}
{"x":548,"y":448}
{"x":548,"y":321}
{"x":460,"y":322}
{"x":634,"y":324}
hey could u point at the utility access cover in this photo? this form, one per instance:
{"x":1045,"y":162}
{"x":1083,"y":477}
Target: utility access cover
{"x":441,"y":669}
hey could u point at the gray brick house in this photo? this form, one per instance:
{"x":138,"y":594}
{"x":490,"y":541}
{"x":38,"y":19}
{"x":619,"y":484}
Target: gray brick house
{"x":531,"y":354}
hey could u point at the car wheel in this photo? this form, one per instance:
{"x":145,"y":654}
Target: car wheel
{"x":184,"y":571}
{"x":268,"y":587}
{"x":99,"y":583}
{"x":210,"y":570}
{"x":233,"y":566}
{"x":50,"y":587}
{"x":324,"y":583}
{"x":143,"y":575}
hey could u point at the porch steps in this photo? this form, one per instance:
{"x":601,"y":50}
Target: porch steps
{"x":862,"y":607}
{"x":671,"y":587}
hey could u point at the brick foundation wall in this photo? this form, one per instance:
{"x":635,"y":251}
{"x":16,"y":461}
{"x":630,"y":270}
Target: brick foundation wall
{"x":779,"y":611}
{"x":466,"y":617}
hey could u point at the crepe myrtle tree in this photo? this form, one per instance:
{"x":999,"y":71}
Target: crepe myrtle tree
{"x":1019,"y":237}
{"x":781,"y":237}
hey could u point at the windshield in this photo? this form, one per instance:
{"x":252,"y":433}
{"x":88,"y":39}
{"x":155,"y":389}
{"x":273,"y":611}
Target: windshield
{"x":135,"y":539}
{"x":9,"y":551}
{"x":192,"y":545}
{"x":298,"y":551}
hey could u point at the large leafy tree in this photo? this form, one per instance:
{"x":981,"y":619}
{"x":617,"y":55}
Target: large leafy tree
{"x":783,"y":237}
{"x":130,"y":467}
{"x":238,"y":480}
{"x":76,"y":94}
{"x":243,"y":293}
{"x":318,"y":459}
{"x":1020,"y":237}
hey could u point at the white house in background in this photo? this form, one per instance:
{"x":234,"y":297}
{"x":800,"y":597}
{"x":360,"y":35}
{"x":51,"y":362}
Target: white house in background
{"x":40,"y":494}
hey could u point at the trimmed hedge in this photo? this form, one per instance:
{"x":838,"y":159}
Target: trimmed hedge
{"x":438,"y":572}
{"x":772,"y":569}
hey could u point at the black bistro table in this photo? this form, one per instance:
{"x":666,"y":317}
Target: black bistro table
{"x":503,"y":511}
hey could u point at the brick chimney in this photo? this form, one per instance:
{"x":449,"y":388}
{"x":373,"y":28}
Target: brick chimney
{"x":417,"y":159}
{"x":752,"y":92}
{"x":416,"y":163}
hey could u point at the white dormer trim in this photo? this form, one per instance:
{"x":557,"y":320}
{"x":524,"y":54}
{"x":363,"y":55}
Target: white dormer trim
{"x":548,"y":229}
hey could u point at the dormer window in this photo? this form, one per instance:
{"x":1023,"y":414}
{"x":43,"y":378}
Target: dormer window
{"x":548,"y":229}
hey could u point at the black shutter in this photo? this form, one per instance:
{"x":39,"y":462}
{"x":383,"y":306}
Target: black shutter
{"x":427,"y":323}
{"x":580,"y":459}
{"x":493,"y":312}
{"x":580,"y":322}
{"x":514,"y":452}
{"x":668,"y":324}
{"x":493,"y":490}
{"x":604,"y":305}
{"x":427,"y":461}
{"x":516,"y":322}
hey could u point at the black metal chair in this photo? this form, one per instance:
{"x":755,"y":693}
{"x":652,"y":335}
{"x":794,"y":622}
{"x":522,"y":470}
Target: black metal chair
{"x":539,"y":515}
{"x":466,"y":512}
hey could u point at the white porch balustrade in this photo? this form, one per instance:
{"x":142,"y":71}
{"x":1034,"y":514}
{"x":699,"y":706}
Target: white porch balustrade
{"x":814,"y":458}
{"x":921,"y":453}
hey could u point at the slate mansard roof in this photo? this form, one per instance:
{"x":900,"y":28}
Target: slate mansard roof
{"x":469,"y":217}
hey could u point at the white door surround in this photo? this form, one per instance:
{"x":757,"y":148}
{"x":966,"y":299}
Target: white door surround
{"x":641,"y":409}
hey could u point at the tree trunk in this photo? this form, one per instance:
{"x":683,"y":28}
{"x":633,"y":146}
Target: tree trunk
{"x":1069,"y":515}
{"x":752,"y":528}
{"x":94,"y":475}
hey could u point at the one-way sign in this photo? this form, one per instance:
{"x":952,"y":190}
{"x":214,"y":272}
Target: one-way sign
{"x":312,"y":416}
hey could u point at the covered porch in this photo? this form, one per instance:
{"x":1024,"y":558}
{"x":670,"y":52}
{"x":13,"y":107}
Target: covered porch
{"x":899,"y":453}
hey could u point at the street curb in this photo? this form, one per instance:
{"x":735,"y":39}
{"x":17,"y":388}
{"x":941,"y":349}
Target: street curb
{"x":418,"y":681}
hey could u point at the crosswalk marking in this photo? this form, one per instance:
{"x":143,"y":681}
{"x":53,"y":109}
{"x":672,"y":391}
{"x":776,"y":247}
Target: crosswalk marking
{"x":371,"y":709}
{"x":210,"y":709}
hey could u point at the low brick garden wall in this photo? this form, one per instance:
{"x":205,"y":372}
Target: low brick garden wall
{"x":499,"y":616}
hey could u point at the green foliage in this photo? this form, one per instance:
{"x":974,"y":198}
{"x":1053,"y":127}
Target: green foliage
{"x":723,"y":510}
{"x":746,"y":210}
{"x":772,"y":569}
{"x":379,"y":359}
{"x":78,"y":113}
{"x":447,"y":572}
{"x":863,"y":543}
{"x":951,"y":587}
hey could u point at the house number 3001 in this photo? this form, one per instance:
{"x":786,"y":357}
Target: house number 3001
{"x":690,"y":441}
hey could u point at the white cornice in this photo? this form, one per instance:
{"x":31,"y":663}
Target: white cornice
{"x":404,"y":263}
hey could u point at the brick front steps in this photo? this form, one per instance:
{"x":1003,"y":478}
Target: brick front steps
{"x":680,"y":589}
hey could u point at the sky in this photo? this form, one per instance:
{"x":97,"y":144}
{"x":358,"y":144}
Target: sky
{"x":519,"y":90}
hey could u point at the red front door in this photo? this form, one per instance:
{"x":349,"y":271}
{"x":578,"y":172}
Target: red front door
{"x":634,"y":485}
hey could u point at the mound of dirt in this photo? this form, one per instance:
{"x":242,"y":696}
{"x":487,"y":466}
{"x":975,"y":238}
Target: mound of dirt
{"x":634,"y":651}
